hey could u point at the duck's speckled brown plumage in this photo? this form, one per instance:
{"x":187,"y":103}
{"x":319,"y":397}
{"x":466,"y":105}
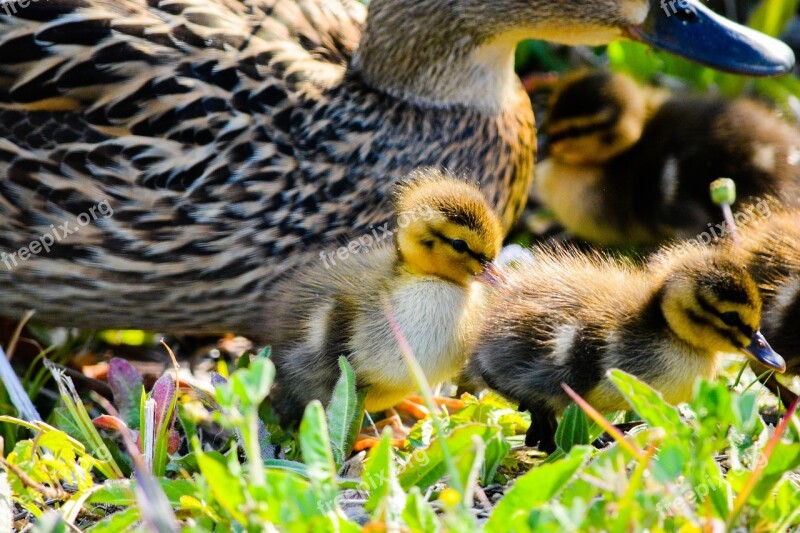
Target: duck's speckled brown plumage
{"x":232,"y":141}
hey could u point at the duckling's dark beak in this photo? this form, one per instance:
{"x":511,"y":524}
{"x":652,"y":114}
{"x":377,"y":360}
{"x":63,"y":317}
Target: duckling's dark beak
{"x":762,"y":352}
{"x":689,"y":29}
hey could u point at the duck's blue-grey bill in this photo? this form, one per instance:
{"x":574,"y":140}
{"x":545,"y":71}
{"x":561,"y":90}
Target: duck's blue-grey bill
{"x":761,"y":350}
{"x":689,"y":29}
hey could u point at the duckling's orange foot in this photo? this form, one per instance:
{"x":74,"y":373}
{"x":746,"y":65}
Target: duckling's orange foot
{"x":370,"y":437}
{"x":414,"y":406}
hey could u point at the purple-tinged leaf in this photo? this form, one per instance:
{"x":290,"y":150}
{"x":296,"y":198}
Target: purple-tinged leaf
{"x":126,"y":386}
{"x":174,"y":441}
{"x":163,"y":393}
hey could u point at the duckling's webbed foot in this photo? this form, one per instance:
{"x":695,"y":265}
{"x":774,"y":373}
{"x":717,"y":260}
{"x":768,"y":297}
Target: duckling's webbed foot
{"x":542,"y":429}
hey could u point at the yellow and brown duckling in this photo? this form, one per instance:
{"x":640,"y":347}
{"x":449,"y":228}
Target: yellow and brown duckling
{"x":567,"y":317}
{"x":632,"y":165}
{"x":235,"y":139}
{"x":446,"y":234}
{"x":772,"y":245}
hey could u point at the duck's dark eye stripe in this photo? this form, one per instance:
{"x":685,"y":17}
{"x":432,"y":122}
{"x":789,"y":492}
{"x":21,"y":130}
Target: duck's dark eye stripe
{"x":581,"y":131}
{"x":440,"y":236}
{"x":482,"y":259}
{"x":697,"y":319}
{"x":732,"y":321}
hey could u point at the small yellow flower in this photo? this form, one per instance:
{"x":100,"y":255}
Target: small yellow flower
{"x":450,"y":497}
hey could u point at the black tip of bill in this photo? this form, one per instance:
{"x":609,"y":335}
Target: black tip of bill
{"x":761,"y":351}
{"x":689,"y":29}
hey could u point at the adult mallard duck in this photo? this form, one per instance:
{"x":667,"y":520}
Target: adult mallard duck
{"x":232,"y":141}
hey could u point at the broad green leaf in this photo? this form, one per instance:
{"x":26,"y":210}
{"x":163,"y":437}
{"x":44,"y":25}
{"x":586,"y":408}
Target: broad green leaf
{"x":648,"y":403}
{"x":426,"y":467}
{"x":573,"y":429}
{"x":496,"y":451}
{"x":714,"y":407}
{"x":419,"y":515}
{"x":317,"y":455}
{"x":745,"y":412}
{"x":710,"y":481}
{"x":535,"y":488}
{"x":121,"y":492}
{"x":252,"y":385}
{"x":781,"y":510}
{"x":119,"y":521}
{"x":387,"y":499}
{"x":290,"y":466}
{"x":672,"y":458}
{"x":50,"y":522}
{"x":345,"y":412}
{"x":290,"y":502}
{"x":783,"y":460}
{"x":226,"y":487}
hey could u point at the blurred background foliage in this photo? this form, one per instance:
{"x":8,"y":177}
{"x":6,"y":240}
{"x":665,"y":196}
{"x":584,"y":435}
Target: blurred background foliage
{"x":778,"y":18}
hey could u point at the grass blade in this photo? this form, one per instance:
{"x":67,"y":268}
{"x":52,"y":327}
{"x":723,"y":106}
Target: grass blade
{"x":92,"y":438}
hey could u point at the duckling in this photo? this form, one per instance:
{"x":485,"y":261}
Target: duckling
{"x":568,"y":317}
{"x":234,"y":140}
{"x":446,"y":234}
{"x":772,"y":245}
{"x":632,"y":165}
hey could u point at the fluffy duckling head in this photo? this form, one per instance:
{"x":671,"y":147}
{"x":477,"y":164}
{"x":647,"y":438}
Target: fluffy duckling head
{"x":446,"y":228}
{"x":594,"y":115}
{"x":713,"y":304}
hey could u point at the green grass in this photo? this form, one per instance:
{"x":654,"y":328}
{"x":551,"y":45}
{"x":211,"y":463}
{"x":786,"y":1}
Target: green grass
{"x":711,"y":464}
{"x":220,"y":462}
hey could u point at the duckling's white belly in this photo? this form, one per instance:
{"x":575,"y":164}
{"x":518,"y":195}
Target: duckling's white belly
{"x":435,"y":317}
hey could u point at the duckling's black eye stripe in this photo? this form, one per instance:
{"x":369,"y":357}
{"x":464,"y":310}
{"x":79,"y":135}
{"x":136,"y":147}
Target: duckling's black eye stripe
{"x":697,"y":319}
{"x":746,"y":330}
{"x":580,"y":131}
{"x":482,"y":259}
